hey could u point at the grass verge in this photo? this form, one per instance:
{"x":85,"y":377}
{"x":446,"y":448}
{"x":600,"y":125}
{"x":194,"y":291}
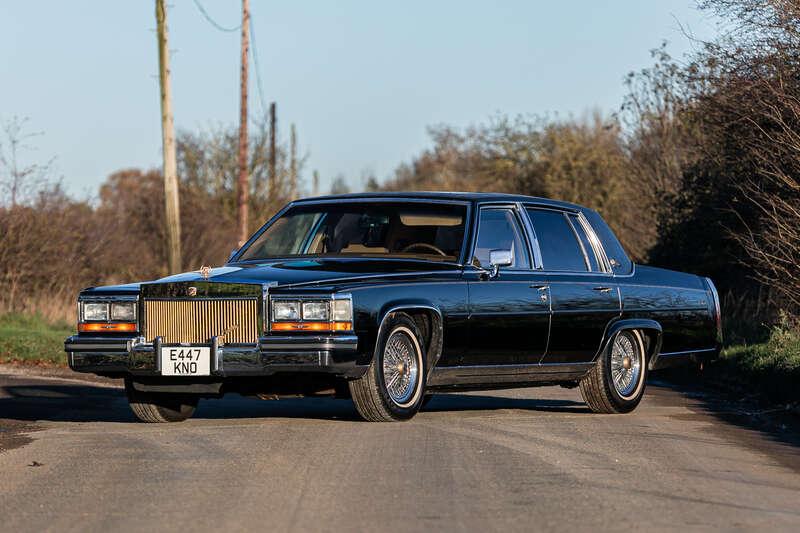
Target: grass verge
{"x":770,"y":369}
{"x":32,"y":340}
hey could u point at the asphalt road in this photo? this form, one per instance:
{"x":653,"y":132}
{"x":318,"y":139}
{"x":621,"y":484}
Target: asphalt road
{"x":73,"y":459}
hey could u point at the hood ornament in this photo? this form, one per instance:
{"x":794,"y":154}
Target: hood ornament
{"x":205,"y":272}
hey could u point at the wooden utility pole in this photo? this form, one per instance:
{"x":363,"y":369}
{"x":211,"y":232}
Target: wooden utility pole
{"x":273,"y":157}
{"x":315,"y":184}
{"x":293,"y":163}
{"x":172,"y":211}
{"x":243,"y":183}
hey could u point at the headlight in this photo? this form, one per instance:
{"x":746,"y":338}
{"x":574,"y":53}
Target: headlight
{"x":285,"y":310}
{"x":107,"y":317}
{"x":313,"y":314}
{"x":95,"y":311}
{"x":123,"y":311}
{"x":315,"y":311}
{"x":343,"y":310}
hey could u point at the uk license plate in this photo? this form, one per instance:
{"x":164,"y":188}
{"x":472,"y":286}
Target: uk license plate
{"x":185,"y":361}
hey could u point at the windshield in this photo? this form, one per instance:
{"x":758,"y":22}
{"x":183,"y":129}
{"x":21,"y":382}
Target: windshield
{"x":408,"y":230}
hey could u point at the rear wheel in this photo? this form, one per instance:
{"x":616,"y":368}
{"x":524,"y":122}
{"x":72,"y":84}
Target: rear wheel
{"x":159,"y":407}
{"x":616,"y":383}
{"x":393,"y":386}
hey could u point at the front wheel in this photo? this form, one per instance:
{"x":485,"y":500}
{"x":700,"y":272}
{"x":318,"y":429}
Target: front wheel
{"x":157,"y":408}
{"x":392,"y":389}
{"x":616,"y":383}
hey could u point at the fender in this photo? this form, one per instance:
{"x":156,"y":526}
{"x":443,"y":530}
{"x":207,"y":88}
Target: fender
{"x":649,"y":326}
{"x":434,"y":348}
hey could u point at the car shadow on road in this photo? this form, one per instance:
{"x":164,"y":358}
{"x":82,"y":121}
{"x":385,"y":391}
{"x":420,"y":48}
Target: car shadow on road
{"x":746,"y":420}
{"x":90,"y":403}
{"x":484,"y":402}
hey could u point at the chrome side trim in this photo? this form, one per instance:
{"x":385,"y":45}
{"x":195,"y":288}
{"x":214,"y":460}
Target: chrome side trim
{"x":507,"y":374}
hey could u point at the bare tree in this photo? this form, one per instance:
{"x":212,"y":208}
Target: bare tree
{"x":748,"y":97}
{"x":20,"y":180}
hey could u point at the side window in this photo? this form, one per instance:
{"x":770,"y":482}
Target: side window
{"x":594,"y":266}
{"x":499,"y":229}
{"x":561,"y":250}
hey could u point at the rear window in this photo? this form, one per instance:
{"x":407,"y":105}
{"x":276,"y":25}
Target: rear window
{"x":561,"y":250}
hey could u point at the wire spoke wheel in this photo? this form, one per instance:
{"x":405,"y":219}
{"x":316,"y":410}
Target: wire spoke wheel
{"x":393,"y":387}
{"x":626,"y":365}
{"x":401,"y":366}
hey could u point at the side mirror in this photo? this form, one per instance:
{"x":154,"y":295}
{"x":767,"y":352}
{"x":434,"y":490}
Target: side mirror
{"x":233,"y":252}
{"x":500,"y":258}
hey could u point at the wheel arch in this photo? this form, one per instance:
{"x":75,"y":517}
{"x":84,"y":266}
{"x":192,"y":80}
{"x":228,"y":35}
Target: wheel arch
{"x":650,"y":329}
{"x":429,"y":320}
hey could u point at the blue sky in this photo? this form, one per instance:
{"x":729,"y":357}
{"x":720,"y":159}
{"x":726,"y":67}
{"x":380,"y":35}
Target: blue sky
{"x":361,"y":79}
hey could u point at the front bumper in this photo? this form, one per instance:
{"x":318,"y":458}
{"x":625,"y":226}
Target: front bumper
{"x":335,"y":354}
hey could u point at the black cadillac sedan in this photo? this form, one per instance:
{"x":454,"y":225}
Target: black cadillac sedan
{"x":389,"y":298}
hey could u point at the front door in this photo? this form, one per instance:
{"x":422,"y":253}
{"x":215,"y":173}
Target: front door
{"x":509,"y":314}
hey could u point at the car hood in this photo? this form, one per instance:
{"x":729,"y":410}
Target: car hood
{"x":306,"y":271}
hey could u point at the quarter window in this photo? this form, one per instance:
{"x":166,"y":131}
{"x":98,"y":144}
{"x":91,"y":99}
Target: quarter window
{"x":587,"y":246}
{"x":561,"y":250}
{"x":499,"y":229}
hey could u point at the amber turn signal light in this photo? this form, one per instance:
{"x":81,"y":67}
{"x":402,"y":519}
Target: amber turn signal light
{"x":107,"y":327}
{"x":312,"y":326}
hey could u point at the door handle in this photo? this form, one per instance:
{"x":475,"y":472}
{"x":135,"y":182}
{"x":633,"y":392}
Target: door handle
{"x":602,"y":289}
{"x":542,"y":291}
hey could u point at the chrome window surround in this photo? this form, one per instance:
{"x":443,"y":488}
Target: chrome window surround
{"x":526,"y":237}
{"x":597,"y":246}
{"x":108,"y":300}
{"x":585,"y":252}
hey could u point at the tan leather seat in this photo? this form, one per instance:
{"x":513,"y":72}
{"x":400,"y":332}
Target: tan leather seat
{"x":356,"y":248}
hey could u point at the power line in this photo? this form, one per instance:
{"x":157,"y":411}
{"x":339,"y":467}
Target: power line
{"x":212,"y":21}
{"x":255,"y":60}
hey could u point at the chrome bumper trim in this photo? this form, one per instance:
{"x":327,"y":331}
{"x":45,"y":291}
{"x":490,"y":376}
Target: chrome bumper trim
{"x":341,"y":342}
{"x":133,"y":355}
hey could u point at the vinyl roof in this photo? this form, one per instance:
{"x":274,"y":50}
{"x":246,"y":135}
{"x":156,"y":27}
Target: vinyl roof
{"x":440,"y":195}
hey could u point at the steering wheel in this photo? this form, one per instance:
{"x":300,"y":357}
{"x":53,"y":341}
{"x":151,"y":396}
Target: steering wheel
{"x":424,"y":246}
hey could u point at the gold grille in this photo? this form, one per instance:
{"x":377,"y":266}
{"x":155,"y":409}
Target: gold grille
{"x":196,"y":321}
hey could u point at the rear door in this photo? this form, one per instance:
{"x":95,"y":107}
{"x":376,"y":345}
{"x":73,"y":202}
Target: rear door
{"x":583,"y":295}
{"x":509,"y":319}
